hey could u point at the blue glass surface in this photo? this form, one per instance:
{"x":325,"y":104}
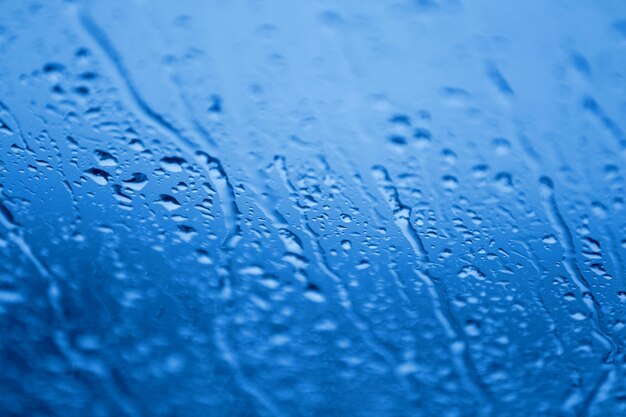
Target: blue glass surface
{"x":313,"y":208}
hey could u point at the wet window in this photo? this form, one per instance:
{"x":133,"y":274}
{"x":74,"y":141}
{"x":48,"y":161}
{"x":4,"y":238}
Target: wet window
{"x":362,"y":208}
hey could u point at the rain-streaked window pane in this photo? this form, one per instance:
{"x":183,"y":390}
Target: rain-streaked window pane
{"x":265,"y":208}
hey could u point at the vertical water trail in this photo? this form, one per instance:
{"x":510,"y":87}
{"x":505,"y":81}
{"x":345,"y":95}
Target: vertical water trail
{"x":616,"y":257}
{"x":66,"y":183}
{"x":560,"y":226}
{"x":542,"y":274}
{"x":345,"y":300}
{"x":230,"y":357}
{"x":215,"y":172}
{"x":102,"y":40}
{"x":606,"y":377}
{"x":608,"y":123}
{"x":322,"y":262}
{"x":575,"y":397}
{"x":459,"y":347}
{"x":4,"y":109}
{"x":214,"y":167}
{"x":228,"y":199}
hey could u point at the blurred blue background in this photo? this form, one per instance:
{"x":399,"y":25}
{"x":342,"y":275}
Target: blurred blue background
{"x":272,"y":208}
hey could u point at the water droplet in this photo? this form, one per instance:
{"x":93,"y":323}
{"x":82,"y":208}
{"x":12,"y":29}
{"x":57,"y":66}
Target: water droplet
{"x":105,"y":159}
{"x":470,"y":271}
{"x":169,"y":202}
{"x":98,"y":176}
{"x":450,"y":182}
{"x":136,"y":181}
{"x":172,"y":163}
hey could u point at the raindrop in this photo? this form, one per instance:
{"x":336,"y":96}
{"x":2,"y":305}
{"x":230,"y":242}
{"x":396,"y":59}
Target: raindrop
{"x":98,"y":176}
{"x":169,"y":202}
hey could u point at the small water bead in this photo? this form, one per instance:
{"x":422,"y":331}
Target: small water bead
{"x":172,"y":163}
{"x":137,"y":181}
{"x":98,"y":176}
{"x":168,"y":202}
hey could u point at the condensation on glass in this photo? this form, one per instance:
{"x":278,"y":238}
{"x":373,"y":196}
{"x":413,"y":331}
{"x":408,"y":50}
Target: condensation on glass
{"x":259,"y":208}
